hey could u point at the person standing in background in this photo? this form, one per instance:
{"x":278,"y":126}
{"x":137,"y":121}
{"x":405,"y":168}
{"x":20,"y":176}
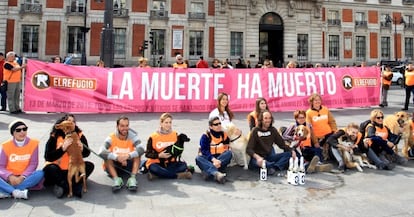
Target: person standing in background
{"x":386,"y":83}
{"x":409,"y":84}
{"x":3,"y":94}
{"x":12,"y":73}
{"x":202,"y":63}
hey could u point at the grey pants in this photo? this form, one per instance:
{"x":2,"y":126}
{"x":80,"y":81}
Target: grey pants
{"x":13,"y":96}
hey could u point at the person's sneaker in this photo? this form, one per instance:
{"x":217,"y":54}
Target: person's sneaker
{"x":21,"y":194}
{"x":400,"y":160}
{"x":132,"y":183}
{"x":324,"y":167}
{"x":151,"y":176}
{"x":4,"y":195}
{"x":118,"y":183}
{"x":312,"y":164}
{"x":58,"y":191}
{"x":381,"y":105}
{"x":220,"y":177}
{"x":271,"y":171}
{"x":184,"y":175}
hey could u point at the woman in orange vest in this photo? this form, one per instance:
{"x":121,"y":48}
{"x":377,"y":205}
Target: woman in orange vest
{"x":160,"y":163}
{"x":19,"y":158}
{"x":57,"y":160}
{"x":380,"y":144}
{"x":12,"y":73}
{"x":386,"y":83}
{"x":261,"y":105}
{"x":214,"y":153}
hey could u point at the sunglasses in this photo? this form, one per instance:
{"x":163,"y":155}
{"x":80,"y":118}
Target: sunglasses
{"x":18,"y":130}
{"x":216,"y":124}
{"x":381,"y":117}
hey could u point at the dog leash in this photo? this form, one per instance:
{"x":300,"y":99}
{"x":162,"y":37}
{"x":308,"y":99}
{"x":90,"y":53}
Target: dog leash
{"x":124,"y":170}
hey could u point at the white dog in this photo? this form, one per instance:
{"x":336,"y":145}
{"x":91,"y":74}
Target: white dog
{"x":238,"y":145}
{"x":352,"y":160}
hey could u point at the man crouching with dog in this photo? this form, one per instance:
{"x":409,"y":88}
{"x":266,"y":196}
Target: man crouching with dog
{"x":122,"y":153}
{"x":57,"y":159}
{"x":260,"y":147}
{"x":160,"y":162}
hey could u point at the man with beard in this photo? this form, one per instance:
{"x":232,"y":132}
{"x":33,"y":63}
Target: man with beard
{"x":122,"y":153}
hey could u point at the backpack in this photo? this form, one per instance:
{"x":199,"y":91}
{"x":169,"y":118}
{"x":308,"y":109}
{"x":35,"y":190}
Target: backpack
{"x":363,"y":126}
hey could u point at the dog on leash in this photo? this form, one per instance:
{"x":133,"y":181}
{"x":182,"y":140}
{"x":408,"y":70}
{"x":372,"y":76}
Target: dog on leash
{"x":352,"y":160}
{"x":300,"y":134}
{"x":176,"y":149}
{"x":238,"y":145}
{"x":76,"y":163}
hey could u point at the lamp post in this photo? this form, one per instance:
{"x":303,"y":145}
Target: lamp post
{"x":394,"y":21}
{"x":107,"y":42}
{"x":84,"y":31}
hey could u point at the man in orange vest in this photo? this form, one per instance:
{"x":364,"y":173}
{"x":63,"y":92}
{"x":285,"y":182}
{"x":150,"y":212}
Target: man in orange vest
{"x":409,"y":84}
{"x":12,"y":73}
{"x":386,"y":83}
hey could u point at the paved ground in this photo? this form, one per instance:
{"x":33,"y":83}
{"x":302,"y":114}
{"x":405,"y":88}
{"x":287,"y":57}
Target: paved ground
{"x":372,"y":193}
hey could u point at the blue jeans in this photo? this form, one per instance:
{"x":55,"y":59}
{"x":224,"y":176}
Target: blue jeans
{"x":273,"y":160}
{"x":30,"y":181}
{"x":207,"y":166}
{"x":170,"y":171}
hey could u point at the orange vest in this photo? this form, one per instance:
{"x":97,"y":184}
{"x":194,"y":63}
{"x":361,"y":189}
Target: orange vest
{"x":386,"y":74}
{"x":251,"y":115}
{"x":18,"y":158}
{"x":412,"y":127}
{"x":409,"y":78}
{"x":359,"y":136}
{"x":120,"y":146}
{"x":319,"y":121}
{"x":180,"y":66}
{"x":15,"y":76}
{"x":216,"y":144}
{"x":63,"y":161}
{"x":381,"y":132}
{"x":159,"y":143}
{"x":307,"y":142}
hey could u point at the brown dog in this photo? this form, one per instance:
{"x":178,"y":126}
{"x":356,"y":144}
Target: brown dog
{"x":238,"y":145}
{"x":399,"y":123}
{"x":301,"y":133}
{"x":76,"y":163}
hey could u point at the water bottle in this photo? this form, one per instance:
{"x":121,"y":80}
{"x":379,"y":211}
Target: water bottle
{"x":263,"y":172}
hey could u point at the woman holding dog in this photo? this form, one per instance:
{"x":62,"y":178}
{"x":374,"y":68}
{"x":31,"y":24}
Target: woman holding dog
{"x":381,"y":142}
{"x":322,"y":121}
{"x":260,"y":146}
{"x":223,"y":110}
{"x":261,"y":105}
{"x":57,"y":160}
{"x":19,"y":158}
{"x":160,"y":163}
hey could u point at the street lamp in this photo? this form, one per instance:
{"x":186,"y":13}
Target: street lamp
{"x":84,"y":30}
{"x":394,"y":20}
{"x":107,"y":41}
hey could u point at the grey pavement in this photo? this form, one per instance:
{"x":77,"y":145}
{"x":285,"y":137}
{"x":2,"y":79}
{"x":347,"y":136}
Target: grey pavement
{"x":371,"y":193}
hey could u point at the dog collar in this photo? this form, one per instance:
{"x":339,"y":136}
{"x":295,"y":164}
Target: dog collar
{"x":235,"y":138}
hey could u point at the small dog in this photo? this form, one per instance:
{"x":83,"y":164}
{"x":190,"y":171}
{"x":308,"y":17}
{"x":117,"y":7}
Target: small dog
{"x":301,"y":133}
{"x":177,"y":148}
{"x":352,"y":160}
{"x":238,"y":145}
{"x":76,"y":163}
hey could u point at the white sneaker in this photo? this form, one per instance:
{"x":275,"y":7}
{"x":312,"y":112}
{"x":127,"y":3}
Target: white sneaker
{"x":21,"y":194}
{"x":4,"y":195}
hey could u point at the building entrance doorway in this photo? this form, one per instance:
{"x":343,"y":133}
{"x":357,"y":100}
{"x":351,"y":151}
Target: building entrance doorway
{"x":271,"y":39}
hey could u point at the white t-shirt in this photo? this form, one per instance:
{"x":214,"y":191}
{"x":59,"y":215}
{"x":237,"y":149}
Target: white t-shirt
{"x":224,"y":119}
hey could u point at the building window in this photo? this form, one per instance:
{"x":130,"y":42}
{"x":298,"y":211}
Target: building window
{"x":158,"y":46}
{"x":30,"y":41}
{"x":75,"y":39}
{"x":196,"y":11}
{"x":158,"y":5}
{"x":196,"y":44}
{"x":77,"y":6}
{"x":333,"y":18}
{"x":408,"y":22}
{"x":119,"y":43}
{"x":334,"y":47}
{"x":360,"y":47}
{"x":409,"y":47}
{"x":236,"y":44}
{"x":385,"y":21}
{"x":360,"y":19}
{"x":303,"y":47}
{"x":385,"y":47}
{"x":118,"y":4}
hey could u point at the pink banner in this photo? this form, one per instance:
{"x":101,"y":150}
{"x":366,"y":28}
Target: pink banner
{"x":51,"y":87}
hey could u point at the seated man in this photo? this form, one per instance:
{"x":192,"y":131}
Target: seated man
{"x":122,"y":152}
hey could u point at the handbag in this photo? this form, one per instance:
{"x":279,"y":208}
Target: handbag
{"x":3,"y":86}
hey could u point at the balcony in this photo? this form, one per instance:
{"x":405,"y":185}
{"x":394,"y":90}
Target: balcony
{"x":408,"y":2}
{"x":385,"y":25}
{"x":30,"y":8}
{"x":334,"y":22}
{"x":159,"y":14}
{"x":196,"y":16}
{"x":121,"y":12}
{"x":384,"y":1}
{"x":75,"y":11}
{"x":409,"y":26}
{"x":361,"y":24}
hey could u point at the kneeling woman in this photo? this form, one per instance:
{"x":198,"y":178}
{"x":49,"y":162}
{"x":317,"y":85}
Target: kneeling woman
{"x":160,"y":163}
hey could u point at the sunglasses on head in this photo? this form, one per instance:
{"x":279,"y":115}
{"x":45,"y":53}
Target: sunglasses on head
{"x":20,"y":129}
{"x":380,"y":117}
{"x":216,"y":124}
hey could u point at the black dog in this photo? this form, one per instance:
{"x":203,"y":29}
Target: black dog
{"x":177,"y":148}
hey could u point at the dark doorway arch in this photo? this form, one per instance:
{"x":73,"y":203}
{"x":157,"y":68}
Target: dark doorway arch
{"x":271,"y":38}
